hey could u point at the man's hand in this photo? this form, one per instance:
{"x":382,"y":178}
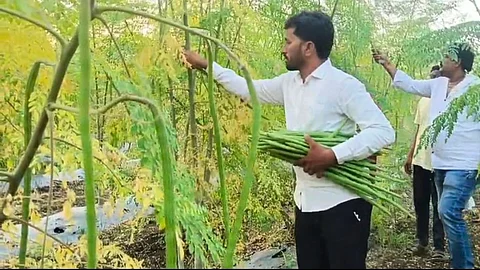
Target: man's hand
{"x":318,"y":159}
{"x":379,"y":57}
{"x":408,"y":165}
{"x":195,"y":60}
{"x":383,"y":60}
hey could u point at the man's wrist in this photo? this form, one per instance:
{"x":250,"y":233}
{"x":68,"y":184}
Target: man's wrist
{"x":330,"y":157}
{"x":386,"y":63}
{"x":410,"y":153}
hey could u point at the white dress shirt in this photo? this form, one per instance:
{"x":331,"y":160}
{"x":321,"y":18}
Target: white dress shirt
{"x":462,"y":149}
{"x":328,"y":97}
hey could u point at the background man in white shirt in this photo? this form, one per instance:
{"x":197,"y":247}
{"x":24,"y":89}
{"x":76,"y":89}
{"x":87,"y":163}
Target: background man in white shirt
{"x":332,"y":224}
{"x":455,"y":161}
{"x":418,"y":164}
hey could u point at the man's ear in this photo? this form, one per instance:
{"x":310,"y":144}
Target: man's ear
{"x":309,"y":48}
{"x":458,"y":63}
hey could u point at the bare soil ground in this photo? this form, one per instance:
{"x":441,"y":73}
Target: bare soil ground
{"x":148,"y":243}
{"x":401,"y":257}
{"x":40,"y":197}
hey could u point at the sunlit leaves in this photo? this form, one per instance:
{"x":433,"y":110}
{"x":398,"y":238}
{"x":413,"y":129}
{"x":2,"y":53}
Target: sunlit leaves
{"x":22,"y":45}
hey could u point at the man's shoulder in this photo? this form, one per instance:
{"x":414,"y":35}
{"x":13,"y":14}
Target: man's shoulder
{"x":345,"y":77}
{"x":290,"y":74}
{"x":440,"y":79}
{"x":475,"y":79}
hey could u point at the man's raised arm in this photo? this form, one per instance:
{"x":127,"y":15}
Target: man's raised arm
{"x":268,"y":91}
{"x":402,"y":80}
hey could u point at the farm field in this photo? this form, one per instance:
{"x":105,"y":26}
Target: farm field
{"x":116,"y":154}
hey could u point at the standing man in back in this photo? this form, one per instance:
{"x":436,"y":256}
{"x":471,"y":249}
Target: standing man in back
{"x":455,"y":161}
{"x":419,"y":163}
{"x":332,"y":223}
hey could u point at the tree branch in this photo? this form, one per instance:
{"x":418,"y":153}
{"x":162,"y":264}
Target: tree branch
{"x":334,"y":9}
{"x":100,"y":10}
{"x":42,"y":122}
{"x":252,"y":156}
{"x":42,"y":231}
{"x":6,"y":174}
{"x":34,"y":143}
{"x":54,"y":106}
{"x":11,"y":123}
{"x":51,"y":121}
{"x":116,"y":90}
{"x":27,"y":179}
{"x":100,"y":18}
{"x":476,"y":6}
{"x":167,"y":164}
{"x":104,"y":109}
{"x":11,"y":105}
{"x":54,"y":33}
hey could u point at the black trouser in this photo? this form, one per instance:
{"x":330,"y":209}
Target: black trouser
{"x":334,"y":239}
{"x":423,"y":190}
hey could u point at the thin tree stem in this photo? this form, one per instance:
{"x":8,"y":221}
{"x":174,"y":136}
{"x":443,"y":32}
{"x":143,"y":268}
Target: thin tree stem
{"x":101,"y":19}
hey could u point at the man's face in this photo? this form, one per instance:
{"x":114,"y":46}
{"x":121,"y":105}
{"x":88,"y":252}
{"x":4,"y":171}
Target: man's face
{"x":292,"y":51}
{"x":448,"y":66}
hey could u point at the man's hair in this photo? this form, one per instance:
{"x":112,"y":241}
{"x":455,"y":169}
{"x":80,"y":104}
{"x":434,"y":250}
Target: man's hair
{"x":314,"y":26}
{"x":436,"y":67}
{"x":464,"y":53}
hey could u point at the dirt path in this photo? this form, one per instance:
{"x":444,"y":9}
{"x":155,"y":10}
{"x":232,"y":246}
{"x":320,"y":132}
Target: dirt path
{"x":401,"y":258}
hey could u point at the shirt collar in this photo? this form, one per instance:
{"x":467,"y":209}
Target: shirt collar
{"x":321,"y":71}
{"x":472,"y":78}
{"x":467,"y":81}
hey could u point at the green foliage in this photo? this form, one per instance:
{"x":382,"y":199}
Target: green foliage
{"x":466,"y":106}
{"x":430,"y":47}
{"x":150,"y":52}
{"x":193,"y":221}
{"x":272,"y":195}
{"x":192,"y":217}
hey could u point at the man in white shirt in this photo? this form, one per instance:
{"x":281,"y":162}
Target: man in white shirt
{"x":455,"y":161}
{"x":332,"y":224}
{"x":418,"y":164}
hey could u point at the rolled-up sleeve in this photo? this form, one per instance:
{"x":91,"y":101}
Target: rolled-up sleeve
{"x":376,"y":131}
{"x":267,"y":91}
{"x":406,"y":83}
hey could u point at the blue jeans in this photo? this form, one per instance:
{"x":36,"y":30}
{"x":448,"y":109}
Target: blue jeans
{"x":454,"y":188}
